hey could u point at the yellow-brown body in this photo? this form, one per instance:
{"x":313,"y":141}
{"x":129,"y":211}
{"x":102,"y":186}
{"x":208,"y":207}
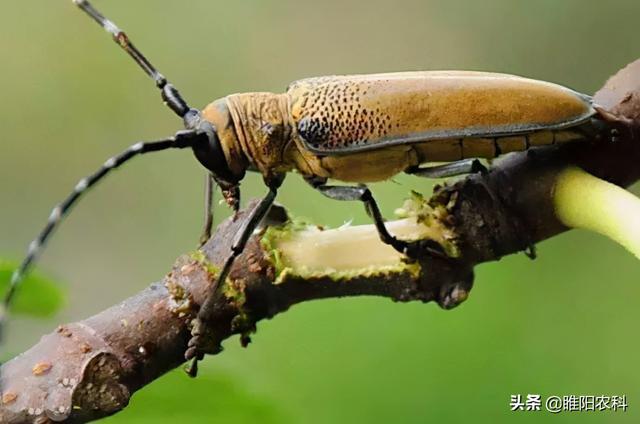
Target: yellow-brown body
{"x":365,"y":128}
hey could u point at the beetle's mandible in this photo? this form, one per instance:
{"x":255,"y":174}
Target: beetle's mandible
{"x":357,"y":129}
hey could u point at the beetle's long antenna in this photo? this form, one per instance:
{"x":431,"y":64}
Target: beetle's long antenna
{"x":170,"y":94}
{"x":182,"y":139}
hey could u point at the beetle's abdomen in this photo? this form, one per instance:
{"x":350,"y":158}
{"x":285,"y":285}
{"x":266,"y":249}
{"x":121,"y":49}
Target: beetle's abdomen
{"x":348,"y":114}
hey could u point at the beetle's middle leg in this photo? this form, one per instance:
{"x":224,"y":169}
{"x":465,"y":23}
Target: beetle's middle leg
{"x":452,"y":169}
{"x":363,"y":194}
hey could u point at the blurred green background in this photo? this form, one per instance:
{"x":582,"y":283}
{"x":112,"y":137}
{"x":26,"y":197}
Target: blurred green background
{"x":564,"y":324}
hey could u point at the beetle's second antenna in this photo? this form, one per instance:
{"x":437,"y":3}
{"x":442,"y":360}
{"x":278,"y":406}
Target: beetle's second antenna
{"x":182,"y":140}
{"x":170,"y":94}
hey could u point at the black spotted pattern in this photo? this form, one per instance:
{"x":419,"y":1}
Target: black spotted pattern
{"x":333,"y":116}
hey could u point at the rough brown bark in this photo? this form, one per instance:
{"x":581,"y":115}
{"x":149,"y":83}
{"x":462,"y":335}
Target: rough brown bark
{"x":89,"y":369}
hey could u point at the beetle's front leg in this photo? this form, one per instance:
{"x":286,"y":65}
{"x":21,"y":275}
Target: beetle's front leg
{"x":209,"y":185}
{"x":363,"y":194}
{"x":201,"y":337}
{"x":231,"y":195}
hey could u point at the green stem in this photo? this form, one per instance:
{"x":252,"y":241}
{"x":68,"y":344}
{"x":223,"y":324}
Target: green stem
{"x":584,"y":201}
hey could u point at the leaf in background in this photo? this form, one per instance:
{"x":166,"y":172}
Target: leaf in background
{"x":37,"y":295}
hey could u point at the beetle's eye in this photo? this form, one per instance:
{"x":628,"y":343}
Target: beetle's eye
{"x":211,"y":155}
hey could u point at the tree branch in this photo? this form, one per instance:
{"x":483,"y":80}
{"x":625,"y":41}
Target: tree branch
{"x":89,"y":369}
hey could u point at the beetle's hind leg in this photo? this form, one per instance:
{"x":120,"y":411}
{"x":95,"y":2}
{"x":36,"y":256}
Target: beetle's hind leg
{"x":462,"y":167}
{"x":363,"y":194}
{"x":452,"y":169}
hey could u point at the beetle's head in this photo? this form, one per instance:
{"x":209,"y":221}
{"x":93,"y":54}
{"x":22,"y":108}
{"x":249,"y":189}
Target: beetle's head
{"x":218,"y":153}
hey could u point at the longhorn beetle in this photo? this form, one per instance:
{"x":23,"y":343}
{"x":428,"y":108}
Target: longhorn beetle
{"x":359,"y":129}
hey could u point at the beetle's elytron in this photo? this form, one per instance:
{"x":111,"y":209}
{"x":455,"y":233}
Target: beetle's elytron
{"x":359,"y":129}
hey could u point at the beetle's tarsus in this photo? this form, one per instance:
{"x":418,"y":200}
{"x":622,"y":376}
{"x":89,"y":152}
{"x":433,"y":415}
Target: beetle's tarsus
{"x":421,"y":248}
{"x":196,"y":347}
